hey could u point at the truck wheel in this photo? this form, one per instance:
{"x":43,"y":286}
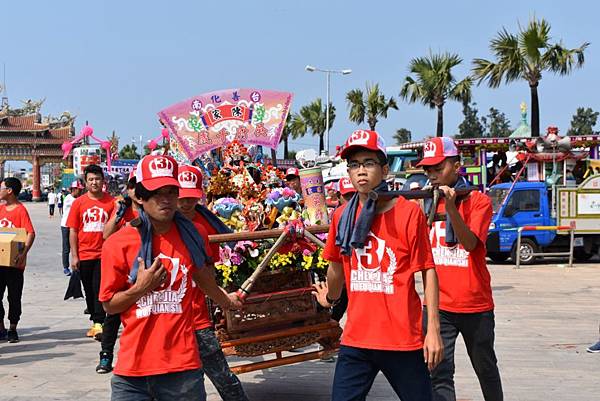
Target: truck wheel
{"x":498,"y":257}
{"x":528,"y":248}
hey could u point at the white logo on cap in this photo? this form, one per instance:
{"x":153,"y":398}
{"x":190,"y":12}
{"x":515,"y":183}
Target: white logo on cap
{"x":161,"y":167}
{"x":359,"y":137}
{"x":187,"y":180}
{"x":429,"y":149}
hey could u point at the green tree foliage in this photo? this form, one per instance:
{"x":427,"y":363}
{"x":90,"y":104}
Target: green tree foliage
{"x":129,"y":152}
{"x":583,"y":122}
{"x":432,"y":84}
{"x":370,"y":105}
{"x":402,"y":135}
{"x":312,"y":117}
{"x":496,"y":124}
{"x":470,"y":127}
{"x":524,"y":56}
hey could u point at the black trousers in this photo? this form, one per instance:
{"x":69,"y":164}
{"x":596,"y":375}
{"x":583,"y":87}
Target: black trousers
{"x":51,"y":209}
{"x":66,"y":247}
{"x":12,"y":279}
{"x":477,"y":330}
{"x":90,"y":278}
{"x":110,"y":332}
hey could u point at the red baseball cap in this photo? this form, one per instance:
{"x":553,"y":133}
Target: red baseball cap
{"x":346,"y":186}
{"x":190,"y":181}
{"x":76,"y":184}
{"x":292,"y":171}
{"x":436,"y":150}
{"x":156,"y":171}
{"x":369,"y":140}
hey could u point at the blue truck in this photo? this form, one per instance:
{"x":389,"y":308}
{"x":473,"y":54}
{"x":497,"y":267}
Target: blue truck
{"x":536,"y":204}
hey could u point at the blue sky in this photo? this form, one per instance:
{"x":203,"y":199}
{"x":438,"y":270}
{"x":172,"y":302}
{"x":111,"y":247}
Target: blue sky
{"x":117,"y":63}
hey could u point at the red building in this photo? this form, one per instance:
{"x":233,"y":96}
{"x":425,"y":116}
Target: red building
{"x":25,"y":135}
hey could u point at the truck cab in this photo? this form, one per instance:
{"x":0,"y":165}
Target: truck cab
{"x":528,"y":204}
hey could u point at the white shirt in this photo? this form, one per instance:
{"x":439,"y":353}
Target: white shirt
{"x":67,"y":203}
{"x":51,"y":198}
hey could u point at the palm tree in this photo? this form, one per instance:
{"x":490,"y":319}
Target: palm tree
{"x":129,"y":152}
{"x":371,"y":106}
{"x":524,"y":56}
{"x":433,"y":84}
{"x":313,"y":117}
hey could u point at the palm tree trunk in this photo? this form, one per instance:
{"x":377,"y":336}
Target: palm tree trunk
{"x":535,"y":110}
{"x":440,"y":120}
{"x":274,"y":157}
{"x":372,"y":123}
{"x":321,"y":143}
{"x":286,"y":152}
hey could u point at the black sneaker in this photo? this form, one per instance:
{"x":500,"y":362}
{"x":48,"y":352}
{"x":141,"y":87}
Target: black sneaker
{"x":3,"y":334}
{"x":13,"y":337}
{"x":105,"y":365}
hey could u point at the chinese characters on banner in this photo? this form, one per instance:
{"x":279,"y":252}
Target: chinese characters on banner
{"x":215,"y":119}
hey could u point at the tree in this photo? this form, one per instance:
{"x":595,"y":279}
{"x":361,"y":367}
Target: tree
{"x":470,"y":127}
{"x":433,"y":84}
{"x":583,"y":122}
{"x":402,"y":135}
{"x":524,"y":56}
{"x":312,"y":118}
{"x":372,"y":106}
{"x":496,"y":124}
{"x":129,"y":152}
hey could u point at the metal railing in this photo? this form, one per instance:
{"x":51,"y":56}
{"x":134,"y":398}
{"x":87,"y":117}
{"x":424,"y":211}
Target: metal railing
{"x":540,"y":228}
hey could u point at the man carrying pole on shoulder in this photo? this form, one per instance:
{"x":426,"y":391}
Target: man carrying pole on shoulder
{"x":148,"y":272}
{"x":458,"y":244}
{"x":376,"y":248}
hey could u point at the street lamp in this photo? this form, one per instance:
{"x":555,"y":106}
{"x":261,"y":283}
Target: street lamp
{"x":311,"y":68}
{"x":140,"y":148}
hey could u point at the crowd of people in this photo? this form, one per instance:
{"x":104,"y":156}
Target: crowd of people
{"x":145,"y":264}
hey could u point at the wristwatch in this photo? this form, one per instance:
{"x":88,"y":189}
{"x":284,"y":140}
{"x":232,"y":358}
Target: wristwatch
{"x":332,"y":302}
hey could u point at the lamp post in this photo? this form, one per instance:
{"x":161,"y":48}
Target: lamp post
{"x":140,"y":148}
{"x":310,"y":68}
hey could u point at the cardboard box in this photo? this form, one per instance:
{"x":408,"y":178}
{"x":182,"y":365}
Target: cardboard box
{"x":12,"y":241}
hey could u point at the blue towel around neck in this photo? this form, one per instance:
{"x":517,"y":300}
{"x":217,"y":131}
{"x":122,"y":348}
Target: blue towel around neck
{"x":213,"y":220}
{"x":451,"y":240}
{"x":189,"y":235}
{"x":352,"y":232}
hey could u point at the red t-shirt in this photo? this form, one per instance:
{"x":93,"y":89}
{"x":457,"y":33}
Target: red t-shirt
{"x":88,"y":216}
{"x":158,"y":336}
{"x":17,"y":218}
{"x":465,"y":285}
{"x":202,"y":318}
{"x":384,"y":309}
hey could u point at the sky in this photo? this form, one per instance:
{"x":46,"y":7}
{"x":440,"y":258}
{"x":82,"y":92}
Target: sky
{"x":116,"y":64}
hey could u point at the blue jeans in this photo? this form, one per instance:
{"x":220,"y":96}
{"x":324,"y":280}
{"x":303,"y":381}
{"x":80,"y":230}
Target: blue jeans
{"x":216,"y":368}
{"x":182,"y":386}
{"x":357,"y":368}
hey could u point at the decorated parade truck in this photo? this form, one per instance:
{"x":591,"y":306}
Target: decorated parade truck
{"x":534,"y":204}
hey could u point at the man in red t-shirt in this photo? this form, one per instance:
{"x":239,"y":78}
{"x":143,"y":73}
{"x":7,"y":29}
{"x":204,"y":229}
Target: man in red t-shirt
{"x":377,"y":255}
{"x":213,"y":360}
{"x":124,"y":212}
{"x":89,"y":213}
{"x":466,"y":303}
{"x":13,"y":214}
{"x":158,"y":355}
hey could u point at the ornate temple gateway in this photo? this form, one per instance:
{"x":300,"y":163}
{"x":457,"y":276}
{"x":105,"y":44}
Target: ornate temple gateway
{"x":25,"y":135}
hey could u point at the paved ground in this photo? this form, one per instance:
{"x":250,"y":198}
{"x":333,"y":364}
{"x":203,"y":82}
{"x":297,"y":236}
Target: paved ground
{"x":545,"y":315}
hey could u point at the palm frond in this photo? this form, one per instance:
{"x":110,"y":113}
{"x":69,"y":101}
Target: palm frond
{"x":356,"y":103}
